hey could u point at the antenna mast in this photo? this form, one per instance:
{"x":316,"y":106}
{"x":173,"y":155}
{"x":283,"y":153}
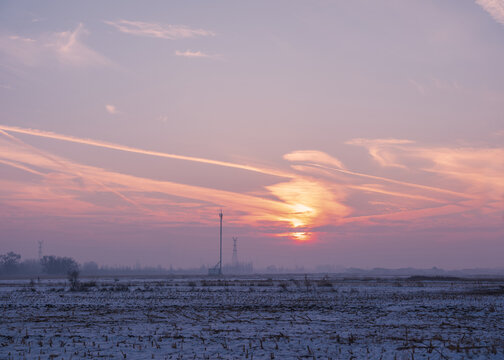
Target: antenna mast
{"x":220,"y":256}
{"x":217,"y":269}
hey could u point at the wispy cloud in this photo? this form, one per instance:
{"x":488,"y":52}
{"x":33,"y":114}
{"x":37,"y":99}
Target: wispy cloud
{"x":66,"y":183}
{"x":21,"y":38}
{"x":71,"y":50}
{"x":419,"y":87}
{"x":65,"y":47}
{"x":298,"y":203}
{"x":435,"y":84}
{"x":394,"y":182}
{"x":313,"y":156}
{"x":111,"y":109}
{"x":194,"y":54}
{"x":461,"y":185}
{"x":376,"y":146}
{"x":156,"y":30}
{"x":480,"y":171}
{"x":494,"y":7}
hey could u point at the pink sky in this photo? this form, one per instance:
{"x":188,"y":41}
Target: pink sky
{"x":342,"y":133}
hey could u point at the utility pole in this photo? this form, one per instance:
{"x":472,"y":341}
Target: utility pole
{"x":220,"y":256}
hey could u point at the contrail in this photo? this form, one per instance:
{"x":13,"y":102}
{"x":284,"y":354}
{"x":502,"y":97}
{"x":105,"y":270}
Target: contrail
{"x":404,"y":183}
{"x":266,"y":207}
{"x":21,"y":167}
{"x":107,"y":145}
{"x":419,"y":213}
{"x":65,"y":166}
{"x":394,"y":193}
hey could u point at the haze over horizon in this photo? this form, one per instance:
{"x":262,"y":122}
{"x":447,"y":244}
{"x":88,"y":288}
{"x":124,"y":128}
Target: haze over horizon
{"x":356,"y":134}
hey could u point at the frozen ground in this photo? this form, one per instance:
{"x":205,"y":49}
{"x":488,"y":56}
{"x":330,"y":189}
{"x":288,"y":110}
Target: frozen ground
{"x":286,"y":317}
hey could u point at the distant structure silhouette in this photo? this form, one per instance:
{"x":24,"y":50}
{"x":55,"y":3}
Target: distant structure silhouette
{"x":217,"y":269}
{"x":236,"y":267}
{"x":40,"y":242}
{"x":234,"y":259}
{"x":220,"y":240}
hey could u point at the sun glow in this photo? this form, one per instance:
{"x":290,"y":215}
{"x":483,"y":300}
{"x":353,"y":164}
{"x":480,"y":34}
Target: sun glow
{"x":301,"y":209}
{"x":301,"y":215}
{"x":300,"y":236}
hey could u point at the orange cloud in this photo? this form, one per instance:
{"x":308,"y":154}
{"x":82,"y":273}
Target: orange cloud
{"x":479,"y":170}
{"x":315,"y":156}
{"x":62,"y":176}
{"x":376,"y":146}
{"x":318,"y":192}
{"x":312,"y":203}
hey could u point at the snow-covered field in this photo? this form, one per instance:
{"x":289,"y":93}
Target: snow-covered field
{"x":258,"y":317}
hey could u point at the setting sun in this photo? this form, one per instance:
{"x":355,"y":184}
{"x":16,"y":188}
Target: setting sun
{"x":300,"y":236}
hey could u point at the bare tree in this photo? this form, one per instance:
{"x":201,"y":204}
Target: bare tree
{"x":9,"y":263}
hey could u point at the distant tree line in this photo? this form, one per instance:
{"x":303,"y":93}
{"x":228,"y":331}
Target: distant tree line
{"x":11,"y":264}
{"x":55,"y":265}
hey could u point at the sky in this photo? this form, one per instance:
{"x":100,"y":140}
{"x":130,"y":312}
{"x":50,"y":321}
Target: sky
{"x":344,"y":133}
